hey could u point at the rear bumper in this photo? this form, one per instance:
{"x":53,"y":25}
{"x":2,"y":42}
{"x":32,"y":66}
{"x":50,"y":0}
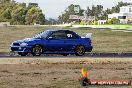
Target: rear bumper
{"x":21,"y":49}
{"x":89,"y":49}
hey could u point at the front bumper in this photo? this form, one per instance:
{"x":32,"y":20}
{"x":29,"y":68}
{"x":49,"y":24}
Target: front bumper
{"x":21,"y":49}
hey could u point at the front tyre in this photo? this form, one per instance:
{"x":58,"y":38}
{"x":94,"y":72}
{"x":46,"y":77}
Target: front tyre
{"x":37,"y":50}
{"x":79,"y":51}
{"x":22,"y":53}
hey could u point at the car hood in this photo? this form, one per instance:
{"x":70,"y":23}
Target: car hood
{"x":26,"y":40}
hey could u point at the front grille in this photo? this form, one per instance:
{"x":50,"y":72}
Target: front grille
{"x":16,"y":44}
{"x":14,"y":48}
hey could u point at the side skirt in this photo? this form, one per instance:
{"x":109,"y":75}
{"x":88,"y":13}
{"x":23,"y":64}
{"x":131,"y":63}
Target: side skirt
{"x":58,"y":52}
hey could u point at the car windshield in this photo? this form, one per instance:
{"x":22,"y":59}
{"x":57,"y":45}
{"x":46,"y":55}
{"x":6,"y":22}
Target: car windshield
{"x":42,"y":34}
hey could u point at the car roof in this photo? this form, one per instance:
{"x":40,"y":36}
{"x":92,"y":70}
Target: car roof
{"x":59,"y":30}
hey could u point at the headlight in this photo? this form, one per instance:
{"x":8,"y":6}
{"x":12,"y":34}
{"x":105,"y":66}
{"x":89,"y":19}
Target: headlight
{"x":23,"y":44}
{"x":11,"y":44}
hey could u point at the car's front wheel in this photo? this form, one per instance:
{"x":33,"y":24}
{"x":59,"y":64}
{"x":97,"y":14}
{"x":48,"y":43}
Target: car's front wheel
{"x":80,"y":51}
{"x":22,"y":53}
{"x":37,"y":50}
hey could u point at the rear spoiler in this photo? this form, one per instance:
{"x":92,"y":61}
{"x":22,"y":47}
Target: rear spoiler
{"x":88,"y":35}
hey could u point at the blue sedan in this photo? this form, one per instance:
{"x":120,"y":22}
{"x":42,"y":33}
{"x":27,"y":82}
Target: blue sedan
{"x":63,"y":42}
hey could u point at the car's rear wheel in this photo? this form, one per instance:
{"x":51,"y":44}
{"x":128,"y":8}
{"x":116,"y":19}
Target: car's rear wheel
{"x":22,"y":53}
{"x":79,"y":51}
{"x":65,"y":54}
{"x":37,"y":50}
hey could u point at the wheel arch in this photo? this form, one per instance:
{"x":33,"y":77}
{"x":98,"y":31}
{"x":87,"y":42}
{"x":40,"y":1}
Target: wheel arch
{"x":80,"y":45}
{"x":39,"y":45}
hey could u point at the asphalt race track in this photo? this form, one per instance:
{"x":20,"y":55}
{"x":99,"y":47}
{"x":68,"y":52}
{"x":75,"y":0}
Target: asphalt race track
{"x":86,"y":55}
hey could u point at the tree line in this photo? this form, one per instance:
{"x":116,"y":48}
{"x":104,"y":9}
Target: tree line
{"x":20,"y":14}
{"x":97,"y":11}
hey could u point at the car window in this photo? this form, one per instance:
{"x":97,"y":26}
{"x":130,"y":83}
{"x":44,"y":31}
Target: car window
{"x":71,"y":35}
{"x":42,"y":34}
{"x":58,"y":35}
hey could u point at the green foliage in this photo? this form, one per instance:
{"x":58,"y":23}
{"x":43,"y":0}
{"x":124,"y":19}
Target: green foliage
{"x":116,"y":8}
{"x":96,"y":11}
{"x":19,"y":14}
{"x":5,"y":15}
{"x":30,"y":5}
{"x":83,"y":23}
{"x":113,"y":21}
{"x":96,"y":22}
{"x":109,"y":22}
{"x":34,"y":15}
{"x":70,"y":11}
{"x":101,"y":14}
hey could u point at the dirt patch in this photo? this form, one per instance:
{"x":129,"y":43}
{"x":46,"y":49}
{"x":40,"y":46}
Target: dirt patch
{"x":58,"y":73}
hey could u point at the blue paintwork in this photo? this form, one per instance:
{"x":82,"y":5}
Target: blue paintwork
{"x":52,"y":46}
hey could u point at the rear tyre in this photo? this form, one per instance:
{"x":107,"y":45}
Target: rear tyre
{"x":37,"y":50}
{"x":22,"y":53}
{"x":79,"y":51}
{"x":65,"y":54}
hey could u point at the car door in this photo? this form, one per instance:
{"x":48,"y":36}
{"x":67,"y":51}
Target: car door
{"x":56,"y":41}
{"x":71,"y":41}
